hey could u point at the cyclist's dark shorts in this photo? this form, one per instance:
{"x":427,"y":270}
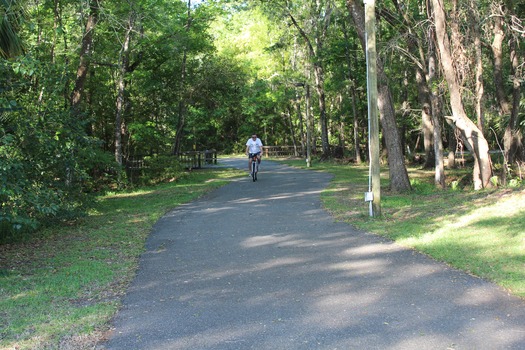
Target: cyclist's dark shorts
{"x":251,"y":155}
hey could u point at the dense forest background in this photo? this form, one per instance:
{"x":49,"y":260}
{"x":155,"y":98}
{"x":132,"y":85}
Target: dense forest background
{"x":88,"y":85}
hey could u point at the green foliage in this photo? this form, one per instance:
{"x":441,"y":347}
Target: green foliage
{"x":454,"y":185}
{"x":45,"y":175}
{"x":12,"y":14}
{"x":422,"y":187}
{"x":142,"y":135}
{"x":159,"y":168}
{"x":515,"y":183}
{"x":230,"y":69}
{"x":46,"y":158}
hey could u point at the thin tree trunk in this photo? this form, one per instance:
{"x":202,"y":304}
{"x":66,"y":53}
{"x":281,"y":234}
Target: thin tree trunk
{"x":85,"y":52}
{"x":352,"y":94}
{"x":497,"y":56}
{"x":301,"y":124}
{"x":292,"y":132}
{"x":512,"y":137}
{"x":436,"y":116}
{"x":57,"y":13}
{"x":479,"y":68}
{"x":427,"y":127}
{"x":182,"y":114}
{"x":319,"y":77}
{"x":399,"y":180}
{"x":471,"y":134}
{"x":405,"y":111}
{"x":309,"y":126}
{"x":319,"y":87}
{"x":121,"y":87}
{"x":439,"y":166}
{"x":516,"y":83}
{"x":56,"y":20}
{"x":419,"y":57}
{"x":357,"y":145}
{"x":182,"y":102}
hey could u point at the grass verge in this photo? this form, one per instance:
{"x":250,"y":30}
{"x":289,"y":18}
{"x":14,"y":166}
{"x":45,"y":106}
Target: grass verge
{"x":480,"y":232}
{"x":60,"y":290}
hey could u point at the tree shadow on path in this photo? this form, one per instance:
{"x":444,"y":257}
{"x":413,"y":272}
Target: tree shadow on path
{"x":263,"y":266}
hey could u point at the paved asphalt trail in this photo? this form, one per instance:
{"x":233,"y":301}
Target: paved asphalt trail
{"x":262,"y":266}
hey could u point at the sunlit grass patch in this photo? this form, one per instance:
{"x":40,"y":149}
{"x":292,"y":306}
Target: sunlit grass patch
{"x":488,"y":241}
{"x":481,"y":232}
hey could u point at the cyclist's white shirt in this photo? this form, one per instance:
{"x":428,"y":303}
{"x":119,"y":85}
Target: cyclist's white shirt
{"x":254,"y":146}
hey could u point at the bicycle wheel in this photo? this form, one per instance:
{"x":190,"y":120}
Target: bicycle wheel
{"x":254,"y":170}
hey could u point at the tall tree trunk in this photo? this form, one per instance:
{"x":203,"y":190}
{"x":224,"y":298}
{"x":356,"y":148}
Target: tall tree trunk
{"x":352,"y":93}
{"x":439,"y":166}
{"x":181,"y":123}
{"x":357,"y":140}
{"x":121,"y":89}
{"x":399,"y":180}
{"x":82,"y":71}
{"x":182,"y":102}
{"x":497,"y":56}
{"x":479,"y":67}
{"x":288,"y":116}
{"x":301,"y":123}
{"x":342,"y":124}
{"x":318,"y":75}
{"x":516,"y":90}
{"x":309,"y":126}
{"x":471,"y":134}
{"x":512,"y":142}
{"x":405,"y":111}
{"x":418,"y":56}
{"x":56,"y":20}
{"x":427,"y":126}
{"x":512,"y":138}
{"x":319,"y":88}
{"x":85,"y":52}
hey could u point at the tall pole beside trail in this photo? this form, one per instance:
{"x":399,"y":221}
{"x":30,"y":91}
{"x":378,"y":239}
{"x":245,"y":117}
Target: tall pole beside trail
{"x":308,"y":127}
{"x":374,"y":185}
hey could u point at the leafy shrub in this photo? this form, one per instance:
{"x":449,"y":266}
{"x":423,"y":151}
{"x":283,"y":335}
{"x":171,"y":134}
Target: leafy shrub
{"x":46,"y":171}
{"x":422,"y":187}
{"x":515,"y":183}
{"x":161,"y":168}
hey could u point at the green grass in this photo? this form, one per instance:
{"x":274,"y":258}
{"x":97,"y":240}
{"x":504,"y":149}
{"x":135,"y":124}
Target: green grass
{"x":480,"y":232}
{"x":60,"y":290}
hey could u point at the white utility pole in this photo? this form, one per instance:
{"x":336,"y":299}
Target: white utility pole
{"x":373,"y":196}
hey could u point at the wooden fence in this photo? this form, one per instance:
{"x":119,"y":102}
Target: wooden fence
{"x":199,"y":159}
{"x":283,"y":151}
{"x":189,"y":160}
{"x":196,"y":159}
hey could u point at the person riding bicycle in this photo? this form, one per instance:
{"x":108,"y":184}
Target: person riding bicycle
{"x":253,"y":146}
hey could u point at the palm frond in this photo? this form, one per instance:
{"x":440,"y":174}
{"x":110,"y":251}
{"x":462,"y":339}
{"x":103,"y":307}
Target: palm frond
{"x":11,"y":14}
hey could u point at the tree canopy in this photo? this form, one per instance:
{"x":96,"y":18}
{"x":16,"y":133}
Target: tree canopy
{"x":88,"y":85}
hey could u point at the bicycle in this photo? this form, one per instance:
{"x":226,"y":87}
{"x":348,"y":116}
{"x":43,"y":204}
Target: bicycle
{"x":255,"y":166}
